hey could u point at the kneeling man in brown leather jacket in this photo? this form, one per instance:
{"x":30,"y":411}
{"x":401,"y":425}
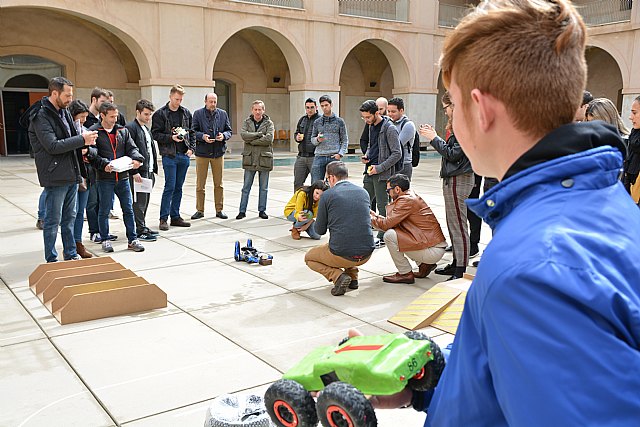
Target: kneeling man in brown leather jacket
{"x":411,"y":230}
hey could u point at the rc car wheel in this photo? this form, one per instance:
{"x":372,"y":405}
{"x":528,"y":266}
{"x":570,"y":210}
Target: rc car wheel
{"x":236,"y":252}
{"x":342,"y":405}
{"x":290,"y":405}
{"x":429,"y":376}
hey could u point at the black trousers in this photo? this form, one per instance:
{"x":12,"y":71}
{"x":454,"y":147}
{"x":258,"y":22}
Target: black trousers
{"x":141,"y":204}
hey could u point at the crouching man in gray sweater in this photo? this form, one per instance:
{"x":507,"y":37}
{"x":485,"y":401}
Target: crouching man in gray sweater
{"x":344,"y":210}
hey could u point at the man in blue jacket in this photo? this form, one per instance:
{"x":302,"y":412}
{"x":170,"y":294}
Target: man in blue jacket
{"x":212,"y":129}
{"x":550,"y":333}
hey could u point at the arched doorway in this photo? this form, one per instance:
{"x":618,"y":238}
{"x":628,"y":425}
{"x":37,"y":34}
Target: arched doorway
{"x":604,"y":78}
{"x":23,"y":80}
{"x":371,"y":69}
{"x":250,"y":66}
{"x":90,"y":55}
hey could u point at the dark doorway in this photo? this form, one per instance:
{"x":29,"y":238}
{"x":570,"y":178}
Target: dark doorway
{"x":14,"y":104}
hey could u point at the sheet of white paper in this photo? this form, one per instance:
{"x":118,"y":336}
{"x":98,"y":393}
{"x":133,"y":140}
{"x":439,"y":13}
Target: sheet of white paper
{"x":143,"y":187}
{"x":122,"y":164}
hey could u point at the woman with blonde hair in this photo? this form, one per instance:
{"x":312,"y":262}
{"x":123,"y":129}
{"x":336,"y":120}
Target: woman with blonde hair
{"x":603,"y":109}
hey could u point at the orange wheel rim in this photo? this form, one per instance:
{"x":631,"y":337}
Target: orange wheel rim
{"x":281,"y":405}
{"x":336,"y":410}
{"x":419,"y":375}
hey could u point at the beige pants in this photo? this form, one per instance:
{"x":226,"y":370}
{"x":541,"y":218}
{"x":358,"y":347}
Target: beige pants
{"x":427,"y":256}
{"x":202,"y":169}
{"x":331,"y":266}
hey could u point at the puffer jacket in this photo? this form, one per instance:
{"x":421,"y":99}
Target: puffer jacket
{"x":559,"y":277}
{"x":58,"y":155}
{"x":413,"y":221}
{"x":258,"y":145}
{"x":106,"y":152}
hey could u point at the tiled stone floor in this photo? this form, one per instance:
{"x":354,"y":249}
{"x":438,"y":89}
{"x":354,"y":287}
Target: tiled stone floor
{"x":229,"y":327}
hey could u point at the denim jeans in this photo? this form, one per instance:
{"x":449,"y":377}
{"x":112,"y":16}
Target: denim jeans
{"x":60,"y":210}
{"x":311,"y":231}
{"x":92,"y":209}
{"x":106,"y":190}
{"x":175,"y":170}
{"x":263,"y":179}
{"x":41,"y":200}
{"x":319,"y":168}
{"x":81,"y":204}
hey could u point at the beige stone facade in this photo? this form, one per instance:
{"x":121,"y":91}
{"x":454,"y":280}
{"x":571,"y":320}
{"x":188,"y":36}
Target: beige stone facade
{"x":280,"y":51}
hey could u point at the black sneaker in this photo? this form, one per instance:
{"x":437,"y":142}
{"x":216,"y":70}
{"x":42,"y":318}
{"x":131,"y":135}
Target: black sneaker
{"x":197,"y":215}
{"x":263,"y":215}
{"x":241,"y":215}
{"x":474,"y":251}
{"x":147,"y":230}
{"x":340,"y":285}
{"x":147,"y":237}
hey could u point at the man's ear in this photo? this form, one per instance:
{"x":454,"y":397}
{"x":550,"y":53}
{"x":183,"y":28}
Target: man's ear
{"x":485,"y":106}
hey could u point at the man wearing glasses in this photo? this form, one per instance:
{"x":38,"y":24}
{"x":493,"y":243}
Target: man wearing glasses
{"x":306,"y":150}
{"x":410,"y":230}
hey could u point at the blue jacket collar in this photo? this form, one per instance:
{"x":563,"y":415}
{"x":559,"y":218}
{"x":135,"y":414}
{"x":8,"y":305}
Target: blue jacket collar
{"x":595,"y":168}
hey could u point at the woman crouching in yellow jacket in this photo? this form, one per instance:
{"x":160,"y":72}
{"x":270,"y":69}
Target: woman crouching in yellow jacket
{"x":303,"y":208}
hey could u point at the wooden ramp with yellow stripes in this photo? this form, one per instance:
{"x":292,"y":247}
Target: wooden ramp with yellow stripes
{"x":76,"y":291}
{"x":440,"y":307}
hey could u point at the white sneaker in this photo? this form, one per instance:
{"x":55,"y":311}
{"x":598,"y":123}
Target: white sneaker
{"x":76,"y":257}
{"x":135,"y":246}
{"x":106,"y":246}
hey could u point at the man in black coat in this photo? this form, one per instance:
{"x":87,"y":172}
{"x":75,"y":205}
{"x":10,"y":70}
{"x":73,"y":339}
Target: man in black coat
{"x":57,"y":149}
{"x":141,"y":135}
{"x":114,"y":142}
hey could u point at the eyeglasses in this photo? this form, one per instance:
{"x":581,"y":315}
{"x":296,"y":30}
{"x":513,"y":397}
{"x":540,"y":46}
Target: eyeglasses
{"x":447,"y":106}
{"x":389,"y":190}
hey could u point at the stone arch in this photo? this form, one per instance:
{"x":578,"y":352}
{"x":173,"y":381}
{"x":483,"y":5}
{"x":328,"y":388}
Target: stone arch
{"x":142,"y":52}
{"x":395,"y":56}
{"x":298,"y":64}
{"x":65,"y":61}
{"x":615,"y":54}
{"x":604,"y":75}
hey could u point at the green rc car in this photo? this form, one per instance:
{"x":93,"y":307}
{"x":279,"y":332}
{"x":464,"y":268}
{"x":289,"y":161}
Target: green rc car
{"x":364,"y":365}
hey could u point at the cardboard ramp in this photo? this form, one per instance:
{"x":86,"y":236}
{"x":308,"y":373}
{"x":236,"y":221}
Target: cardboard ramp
{"x":440,"y":307}
{"x":94,"y":288}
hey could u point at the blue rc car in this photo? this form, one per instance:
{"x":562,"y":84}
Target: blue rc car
{"x":251,"y":255}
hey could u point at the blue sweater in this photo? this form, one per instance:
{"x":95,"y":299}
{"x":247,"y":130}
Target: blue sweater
{"x":344,"y":210}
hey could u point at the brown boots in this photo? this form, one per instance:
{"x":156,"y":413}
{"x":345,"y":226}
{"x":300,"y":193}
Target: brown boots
{"x":82,"y":251}
{"x":295,"y":233}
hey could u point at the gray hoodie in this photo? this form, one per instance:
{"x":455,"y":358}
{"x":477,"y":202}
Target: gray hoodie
{"x":335,"y":135}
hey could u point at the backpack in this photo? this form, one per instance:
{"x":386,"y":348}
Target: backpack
{"x":415,"y":147}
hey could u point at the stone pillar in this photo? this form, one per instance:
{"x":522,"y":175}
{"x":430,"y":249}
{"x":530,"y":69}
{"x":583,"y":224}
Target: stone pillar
{"x":296,"y":107}
{"x":420,"y":107}
{"x":627,"y":99}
